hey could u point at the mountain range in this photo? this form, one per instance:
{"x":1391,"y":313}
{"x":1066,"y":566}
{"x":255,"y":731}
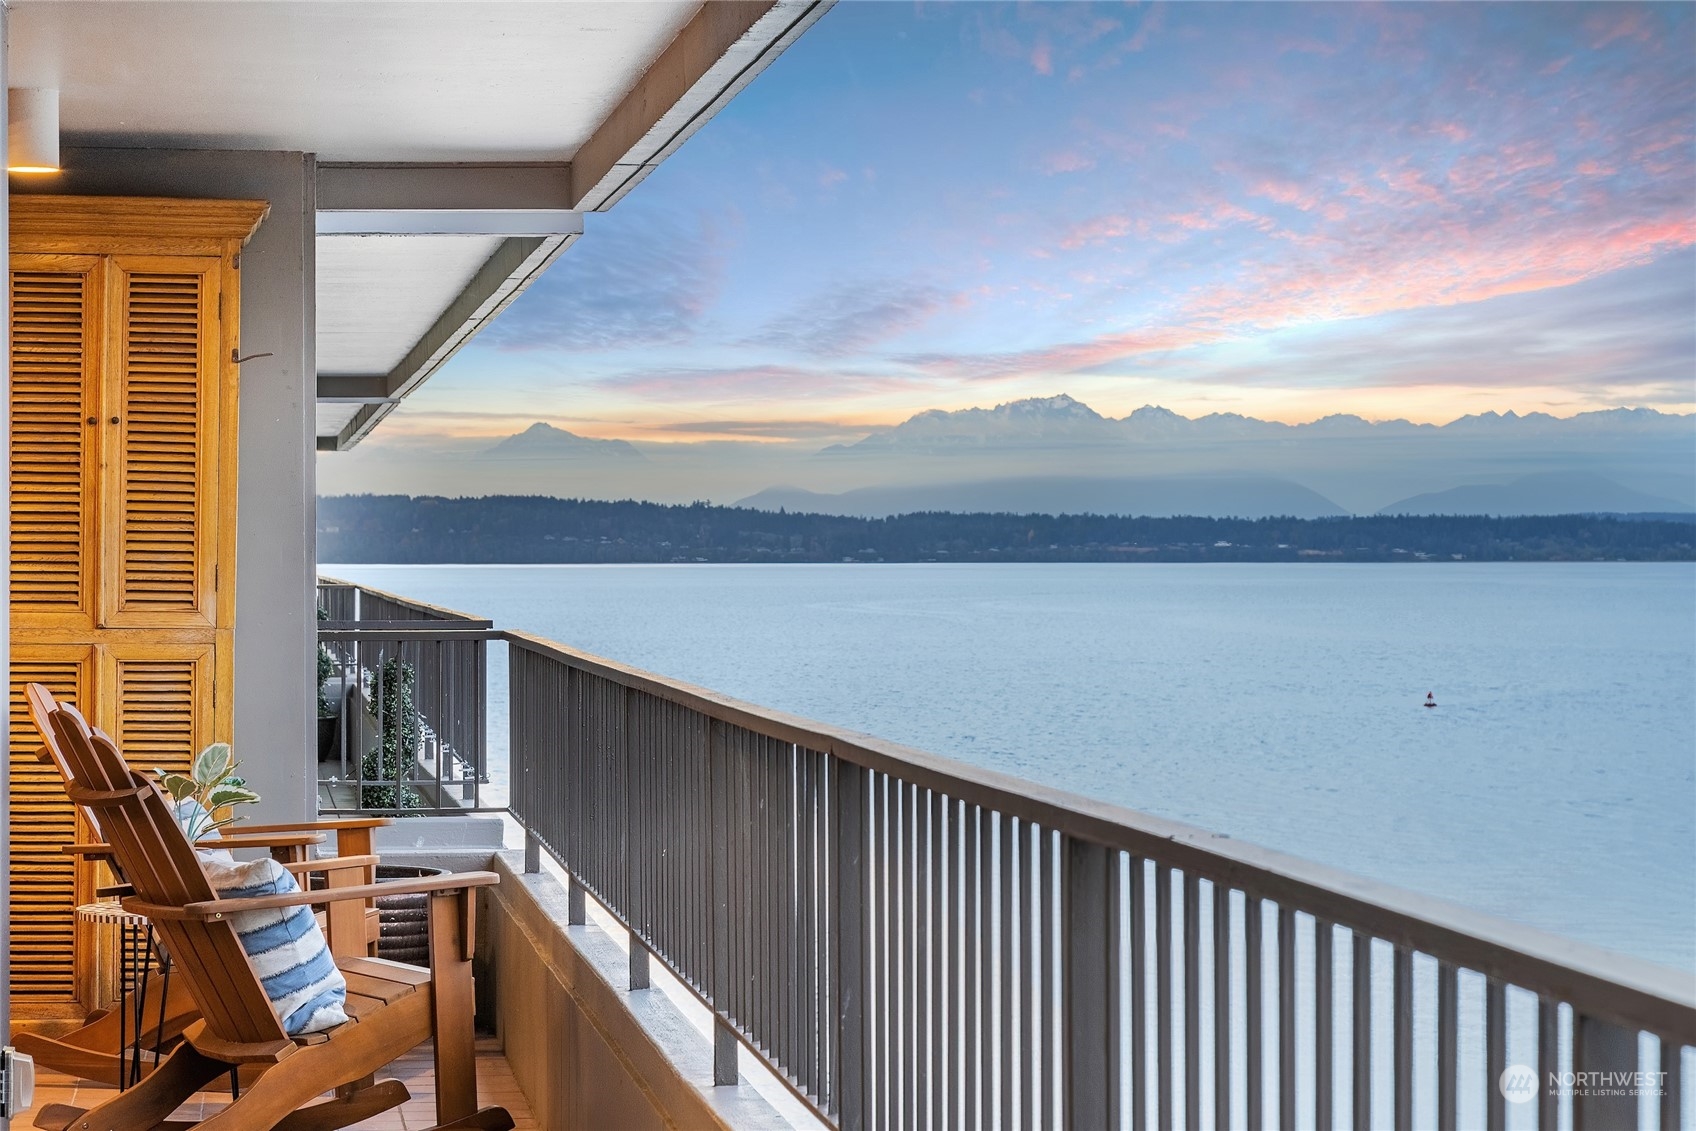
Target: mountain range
{"x":1061,"y":420}
{"x":1058,"y":455}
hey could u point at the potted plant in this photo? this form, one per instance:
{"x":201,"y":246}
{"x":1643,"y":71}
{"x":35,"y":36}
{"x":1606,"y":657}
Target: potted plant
{"x":210,"y":788}
{"x":329,"y":720}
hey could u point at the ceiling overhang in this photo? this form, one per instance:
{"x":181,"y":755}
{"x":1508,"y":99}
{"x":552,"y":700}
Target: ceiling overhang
{"x":534,"y":208}
{"x":458,"y":143}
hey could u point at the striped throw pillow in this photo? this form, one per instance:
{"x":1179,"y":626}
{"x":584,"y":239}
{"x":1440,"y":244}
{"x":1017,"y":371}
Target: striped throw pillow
{"x":284,"y":945}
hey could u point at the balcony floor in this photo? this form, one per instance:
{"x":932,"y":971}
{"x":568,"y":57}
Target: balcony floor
{"x":495,"y":1085}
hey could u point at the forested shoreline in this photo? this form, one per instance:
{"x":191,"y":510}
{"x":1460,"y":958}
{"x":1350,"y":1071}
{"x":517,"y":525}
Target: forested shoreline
{"x":533,"y":529}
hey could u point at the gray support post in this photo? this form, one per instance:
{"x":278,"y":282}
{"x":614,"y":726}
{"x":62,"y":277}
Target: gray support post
{"x":1597,"y":1048}
{"x":532,"y":851}
{"x":1085,"y":1054}
{"x":576,"y":909}
{"x":638,"y":963}
{"x":725,"y":1073}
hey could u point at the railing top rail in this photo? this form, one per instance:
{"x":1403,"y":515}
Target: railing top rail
{"x":427,"y":610}
{"x":426,"y":629}
{"x":1601,"y":983}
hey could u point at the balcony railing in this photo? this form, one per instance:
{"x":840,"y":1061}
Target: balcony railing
{"x":407,"y":684}
{"x":908,"y":941}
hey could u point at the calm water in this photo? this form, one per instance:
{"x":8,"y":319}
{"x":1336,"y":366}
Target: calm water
{"x":1555,"y":783}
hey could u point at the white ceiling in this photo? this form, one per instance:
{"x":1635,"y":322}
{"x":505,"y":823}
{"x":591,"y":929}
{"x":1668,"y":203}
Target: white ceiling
{"x":450,"y":81}
{"x":377,"y":295}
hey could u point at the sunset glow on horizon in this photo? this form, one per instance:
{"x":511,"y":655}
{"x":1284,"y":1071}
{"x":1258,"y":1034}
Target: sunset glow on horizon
{"x":1285,"y":211}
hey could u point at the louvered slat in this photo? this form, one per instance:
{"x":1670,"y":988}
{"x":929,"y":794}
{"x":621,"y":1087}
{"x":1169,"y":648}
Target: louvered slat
{"x":44,"y":887}
{"x":50,"y":496}
{"x":161,"y":492}
{"x":164,"y":696}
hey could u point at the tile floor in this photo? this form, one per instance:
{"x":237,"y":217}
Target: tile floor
{"x":495,"y":1085}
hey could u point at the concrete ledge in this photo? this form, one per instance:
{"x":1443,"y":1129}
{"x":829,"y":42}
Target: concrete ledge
{"x":587,"y":1051}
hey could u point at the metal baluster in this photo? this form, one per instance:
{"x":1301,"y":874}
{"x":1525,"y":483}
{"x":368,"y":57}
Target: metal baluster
{"x":1139,"y":994}
{"x":1496,"y":1053}
{"x":1221,"y":1006}
{"x":1163,"y":992}
{"x":1324,"y":1016}
{"x":1672,"y":1084}
{"x":975,"y":880}
{"x":941,"y":1039}
{"x":1027,"y":977}
{"x":1050,"y":952}
{"x":1286,"y":918}
{"x":1192,"y":1001}
{"x":1361,"y":1002}
{"x":1004,"y":970}
{"x":923,"y":884}
{"x":1253,"y":938}
{"x":960,"y":994}
{"x":1548,"y":1049}
{"x":989,"y":956}
{"x":1403,"y":1041}
{"x":1448,"y":1100}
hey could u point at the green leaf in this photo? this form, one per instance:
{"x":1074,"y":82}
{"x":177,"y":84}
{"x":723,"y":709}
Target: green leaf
{"x":226,"y":794}
{"x":212,"y":764}
{"x":179,"y":787}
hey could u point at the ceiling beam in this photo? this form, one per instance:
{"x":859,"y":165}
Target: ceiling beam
{"x":715,"y":55}
{"x":483,"y":200}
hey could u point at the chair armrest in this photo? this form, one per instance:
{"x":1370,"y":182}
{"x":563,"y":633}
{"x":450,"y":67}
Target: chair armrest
{"x":333,"y":864}
{"x":327,"y":825}
{"x":218,"y":908}
{"x":92,"y":851}
{"x":241,"y":839}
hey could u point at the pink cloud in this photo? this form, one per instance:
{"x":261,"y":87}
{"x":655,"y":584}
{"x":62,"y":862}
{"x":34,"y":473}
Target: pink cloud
{"x":1482,"y":171}
{"x":1286,"y":192}
{"x":1067,"y":161}
{"x":1097,"y":231}
{"x":1042,"y":58}
{"x":1614,"y":24}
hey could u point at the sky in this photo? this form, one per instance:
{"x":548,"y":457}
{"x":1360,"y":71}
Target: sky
{"x":1283,"y":210}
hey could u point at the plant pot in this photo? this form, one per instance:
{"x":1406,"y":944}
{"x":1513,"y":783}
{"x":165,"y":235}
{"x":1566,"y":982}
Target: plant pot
{"x":329,"y":738}
{"x":405,"y":918}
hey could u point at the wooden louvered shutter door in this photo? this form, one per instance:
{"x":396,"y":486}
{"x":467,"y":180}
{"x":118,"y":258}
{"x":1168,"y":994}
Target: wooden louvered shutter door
{"x":161,"y":700}
{"x":123,"y":451}
{"x":161,"y":548}
{"x":54,"y":453}
{"x":46,"y":941}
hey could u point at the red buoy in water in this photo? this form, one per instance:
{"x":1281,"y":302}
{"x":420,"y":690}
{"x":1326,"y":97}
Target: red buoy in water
{"x":1430,"y":700}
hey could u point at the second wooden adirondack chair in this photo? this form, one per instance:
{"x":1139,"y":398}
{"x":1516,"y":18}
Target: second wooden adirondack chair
{"x":98,"y":1049}
{"x":392,"y":1007}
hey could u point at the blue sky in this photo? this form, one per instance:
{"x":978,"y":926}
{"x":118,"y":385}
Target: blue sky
{"x":1282,"y":210}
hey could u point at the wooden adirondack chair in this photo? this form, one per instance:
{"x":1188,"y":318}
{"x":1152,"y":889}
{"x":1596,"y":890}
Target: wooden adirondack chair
{"x":93,"y":1051}
{"x":393,"y":1007}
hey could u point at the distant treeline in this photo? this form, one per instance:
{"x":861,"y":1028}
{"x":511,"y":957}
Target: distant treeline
{"x":510,"y":529}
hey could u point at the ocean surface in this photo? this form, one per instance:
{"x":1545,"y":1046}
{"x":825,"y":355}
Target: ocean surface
{"x":1554,"y":784}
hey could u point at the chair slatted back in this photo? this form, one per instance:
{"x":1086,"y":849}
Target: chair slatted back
{"x":139,"y":826}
